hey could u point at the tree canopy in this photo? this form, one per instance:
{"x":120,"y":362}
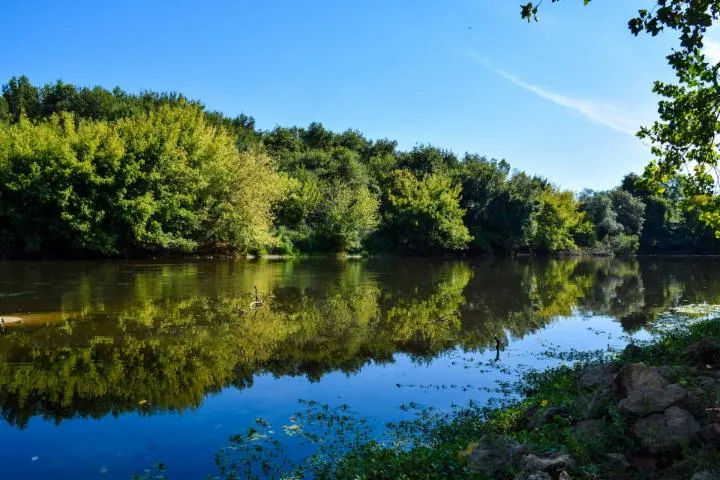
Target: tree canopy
{"x":96,"y":172}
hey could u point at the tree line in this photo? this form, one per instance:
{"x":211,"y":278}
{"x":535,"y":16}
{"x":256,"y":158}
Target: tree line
{"x":94,"y":172}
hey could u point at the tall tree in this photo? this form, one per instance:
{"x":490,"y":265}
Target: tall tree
{"x":21,"y":97}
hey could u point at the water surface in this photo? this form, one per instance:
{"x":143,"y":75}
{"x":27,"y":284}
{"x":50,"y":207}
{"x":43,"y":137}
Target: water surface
{"x":122,"y":364}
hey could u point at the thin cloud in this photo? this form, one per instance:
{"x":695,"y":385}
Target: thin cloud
{"x":597,"y":112}
{"x":712,"y":50}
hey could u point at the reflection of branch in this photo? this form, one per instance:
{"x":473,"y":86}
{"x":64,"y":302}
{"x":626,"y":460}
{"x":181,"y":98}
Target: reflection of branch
{"x":498,"y":347}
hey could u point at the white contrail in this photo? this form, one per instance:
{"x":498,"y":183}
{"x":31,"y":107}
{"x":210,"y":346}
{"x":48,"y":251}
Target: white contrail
{"x":600,"y":113}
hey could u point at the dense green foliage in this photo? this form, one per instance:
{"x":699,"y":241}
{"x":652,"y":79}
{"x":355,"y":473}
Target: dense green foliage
{"x":103,"y":173}
{"x":160,"y":180}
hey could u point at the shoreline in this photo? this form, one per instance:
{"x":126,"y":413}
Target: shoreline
{"x":342,"y":256}
{"x":653,"y":412}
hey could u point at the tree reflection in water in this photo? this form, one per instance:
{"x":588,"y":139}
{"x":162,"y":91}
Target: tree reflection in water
{"x":111,"y":338}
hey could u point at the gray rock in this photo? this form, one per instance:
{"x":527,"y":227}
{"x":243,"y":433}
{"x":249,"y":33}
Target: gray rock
{"x":550,"y":413}
{"x":695,"y":404}
{"x":532,"y":464}
{"x":637,"y":375}
{"x":539,"y":476}
{"x":597,"y":376}
{"x":672,"y":475}
{"x":667,"y":372}
{"x":563,"y":475}
{"x":711,"y":434}
{"x":494,"y":457}
{"x":618,"y":461}
{"x":643,"y":463}
{"x":588,"y":429}
{"x":647,"y":400}
{"x":706,"y":383}
{"x":666,"y":432}
{"x":706,"y":475}
{"x":595,"y":406}
{"x":547,"y":415}
{"x":704,"y":352}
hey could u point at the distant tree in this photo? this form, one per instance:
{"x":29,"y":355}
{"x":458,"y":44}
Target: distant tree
{"x":163,"y":180}
{"x":4,"y":110}
{"x":510,"y":219}
{"x":21,"y":97}
{"x":349,"y":215}
{"x":317,"y":137}
{"x":58,"y":97}
{"x":630,"y":211}
{"x":558,"y":221}
{"x":425,"y":214}
{"x":426,"y":159}
{"x":353,"y":140}
{"x":599,"y":208}
{"x":483,"y":182}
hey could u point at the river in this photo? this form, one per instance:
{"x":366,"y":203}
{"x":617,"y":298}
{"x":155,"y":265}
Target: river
{"x":119,"y":365}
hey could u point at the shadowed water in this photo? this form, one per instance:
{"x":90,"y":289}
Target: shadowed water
{"x":120,"y":365}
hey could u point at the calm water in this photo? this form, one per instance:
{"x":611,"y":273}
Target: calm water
{"x":121,"y":365}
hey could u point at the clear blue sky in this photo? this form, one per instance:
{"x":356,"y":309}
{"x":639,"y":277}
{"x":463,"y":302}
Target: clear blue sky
{"x":559,"y":98}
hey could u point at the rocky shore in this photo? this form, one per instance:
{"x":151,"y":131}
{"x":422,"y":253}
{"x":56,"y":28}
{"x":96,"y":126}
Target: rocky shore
{"x":654,"y":412}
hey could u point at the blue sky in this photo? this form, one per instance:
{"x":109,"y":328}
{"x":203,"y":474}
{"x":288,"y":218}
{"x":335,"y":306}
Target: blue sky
{"x":560,"y":98}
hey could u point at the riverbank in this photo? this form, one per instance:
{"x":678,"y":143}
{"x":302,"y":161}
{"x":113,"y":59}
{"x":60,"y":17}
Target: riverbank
{"x":651,"y":412}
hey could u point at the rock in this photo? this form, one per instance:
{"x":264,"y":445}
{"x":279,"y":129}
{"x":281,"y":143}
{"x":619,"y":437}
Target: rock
{"x":495,"y":456}
{"x":666,"y":432}
{"x":550,"y":413}
{"x":672,"y":475}
{"x":539,"y":476}
{"x":644,"y":463}
{"x":667,"y":372}
{"x":538,"y":418}
{"x":706,"y":383}
{"x":618,"y":461}
{"x":588,"y":429}
{"x":704,"y":352}
{"x":532,"y":464}
{"x":597,"y":376}
{"x":595,"y":406}
{"x":706,"y":475}
{"x":711,"y":434}
{"x":563,"y":475}
{"x":637,"y":375}
{"x":694,"y":404}
{"x":647,"y":400}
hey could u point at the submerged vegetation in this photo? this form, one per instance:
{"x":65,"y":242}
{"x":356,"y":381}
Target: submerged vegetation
{"x":93,"y":172}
